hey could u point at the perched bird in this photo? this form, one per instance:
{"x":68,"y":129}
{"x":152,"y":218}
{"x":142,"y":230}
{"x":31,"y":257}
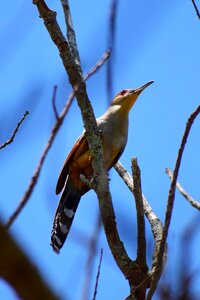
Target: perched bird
{"x":113,"y":125}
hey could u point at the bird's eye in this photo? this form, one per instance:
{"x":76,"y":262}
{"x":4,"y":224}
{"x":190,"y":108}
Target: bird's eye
{"x":122,"y":92}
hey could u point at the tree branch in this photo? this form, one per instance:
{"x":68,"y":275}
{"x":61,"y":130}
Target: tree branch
{"x":137,"y":191}
{"x":98,"y":274}
{"x":111,"y":45}
{"x":194,"y":203}
{"x":54,"y":102}
{"x":17,"y":269}
{"x":92,"y":250}
{"x":156,"y":225}
{"x":52,"y":136}
{"x":93,"y":137}
{"x":140,"y":280}
{"x":71,"y":34}
{"x":170,"y":204}
{"x":11,"y":139}
{"x":196,"y":9}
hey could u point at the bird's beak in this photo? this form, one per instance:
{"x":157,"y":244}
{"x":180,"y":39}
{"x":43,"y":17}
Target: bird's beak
{"x":141,"y":88}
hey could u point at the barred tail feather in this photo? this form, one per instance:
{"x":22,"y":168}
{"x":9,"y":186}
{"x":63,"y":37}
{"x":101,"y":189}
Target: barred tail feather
{"x":64,"y":215}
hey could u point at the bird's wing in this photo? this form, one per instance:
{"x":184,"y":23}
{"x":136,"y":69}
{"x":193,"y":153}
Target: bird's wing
{"x":80,"y":147}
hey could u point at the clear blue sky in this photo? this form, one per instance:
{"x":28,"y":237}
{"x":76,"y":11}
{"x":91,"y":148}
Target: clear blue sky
{"x":156,"y":40}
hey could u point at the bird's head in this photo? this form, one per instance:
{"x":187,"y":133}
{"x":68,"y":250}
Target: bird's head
{"x":126,"y":98}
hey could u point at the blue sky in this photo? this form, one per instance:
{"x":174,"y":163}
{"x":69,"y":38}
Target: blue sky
{"x":155,"y":40}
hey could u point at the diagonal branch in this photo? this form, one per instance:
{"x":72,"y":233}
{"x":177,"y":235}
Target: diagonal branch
{"x":98,"y":274}
{"x":93,"y":138}
{"x":11,"y":139}
{"x":17,"y":269}
{"x":52,"y":136}
{"x":170,"y":204}
{"x":196,"y":8}
{"x":193,"y":202}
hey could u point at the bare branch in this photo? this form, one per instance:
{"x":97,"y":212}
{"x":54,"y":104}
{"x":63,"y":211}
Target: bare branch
{"x":111,"y":45}
{"x":98,"y":65}
{"x":196,"y":9}
{"x":11,"y":139}
{"x":98,"y":274}
{"x":93,"y":137}
{"x":17,"y":269}
{"x":139,"y":289}
{"x":54,"y":102}
{"x":71,"y":34}
{"x":52,"y":136}
{"x":193,"y":202}
{"x":156,"y":225}
{"x":137,"y":191}
{"x":170,"y":204}
{"x":92,"y":250}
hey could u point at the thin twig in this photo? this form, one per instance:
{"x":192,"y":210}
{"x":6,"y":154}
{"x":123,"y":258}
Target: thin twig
{"x":92,"y":250}
{"x":193,"y":202}
{"x":137,"y":191}
{"x":11,"y":139}
{"x":98,"y":274}
{"x":54,"y":102}
{"x":98,"y":65}
{"x":71,"y":33}
{"x":111,"y":45}
{"x":170,"y":204}
{"x":196,"y":9}
{"x":52,"y":136}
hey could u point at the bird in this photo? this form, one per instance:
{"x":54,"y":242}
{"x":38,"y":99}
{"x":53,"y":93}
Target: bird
{"x":113,"y":126}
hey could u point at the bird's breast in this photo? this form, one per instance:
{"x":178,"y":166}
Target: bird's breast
{"x":114,"y":139}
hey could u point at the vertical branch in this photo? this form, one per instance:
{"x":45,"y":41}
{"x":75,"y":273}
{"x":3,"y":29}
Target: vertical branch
{"x":71,"y":34}
{"x":156,"y":225}
{"x":54,"y":102}
{"x":111,"y":45}
{"x":141,"y":281}
{"x":137,"y":191}
{"x":98,"y":274}
{"x":91,"y":256}
{"x":170,"y":204}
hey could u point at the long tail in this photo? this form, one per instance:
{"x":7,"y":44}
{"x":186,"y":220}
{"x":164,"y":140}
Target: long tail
{"x":64,"y":215}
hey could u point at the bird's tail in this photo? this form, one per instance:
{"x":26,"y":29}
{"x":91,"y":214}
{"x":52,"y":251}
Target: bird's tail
{"x":64,"y":215}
